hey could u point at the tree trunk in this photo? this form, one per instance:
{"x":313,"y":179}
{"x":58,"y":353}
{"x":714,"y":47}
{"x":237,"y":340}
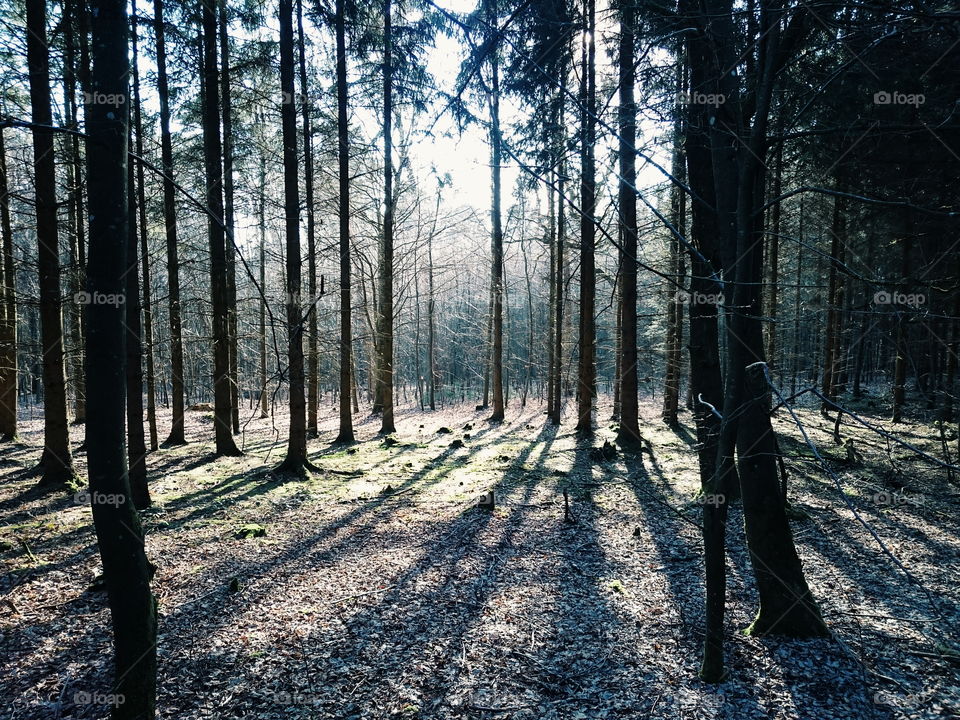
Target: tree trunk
{"x":385,"y":315}
{"x":226,"y":94}
{"x":263,"y":287}
{"x":296,"y":459}
{"x":217,"y":230}
{"x":126,"y":569}
{"x":678,"y":211}
{"x":176,"y":436}
{"x":559,"y":275}
{"x":586,"y":372}
{"x":343,"y":157}
{"x":431,"y":309}
{"x":146,"y":337}
{"x":8,"y":326}
{"x":136,"y":446}
{"x":56,"y":462}
{"x":629,"y":432}
{"x":77,"y":215}
{"x":496,"y":245}
{"x":313,"y":373}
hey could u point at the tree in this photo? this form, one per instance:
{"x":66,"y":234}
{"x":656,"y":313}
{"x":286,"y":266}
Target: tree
{"x":8,"y":318}
{"x":177,"y":436}
{"x":136,"y":445}
{"x":56,"y":462}
{"x":313,"y":370}
{"x":296,"y":460}
{"x":629,"y":432}
{"x":586,"y":370}
{"x":216,"y":231}
{"x":146,"y":335}
{"x":226,"y":95}
{"x":126,"y":570}
{"x":345,"y":434}
{"x":385,"y":316}
{"x":496,"y":232}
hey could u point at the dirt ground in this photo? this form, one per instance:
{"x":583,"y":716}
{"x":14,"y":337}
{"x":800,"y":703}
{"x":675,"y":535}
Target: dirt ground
{"x":381,"y":590}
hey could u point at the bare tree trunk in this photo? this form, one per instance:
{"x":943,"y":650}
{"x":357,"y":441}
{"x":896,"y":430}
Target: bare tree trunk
{"x":496,"y":275}
{"x":8,"y":326}
{"x":56,"y":462}
{"x":678,"y":209}
{"x":146,"y":336}
{"x":126,"y":570}
{"x":385,"y":315}
{"x":228,"y":217}
{"x":343,"y":151}
{"x":77,"y":216}
{"x":263,"y":287}
{"x":313,"y":373}
{"x":559,"y":275}
{"x":136,"y":446}
{"x":431,"y":310}
{"x":629,"y":432}
{"x":586,"y":373}
{"x":296,"y":460}
{"x":219,"y":283}
{"x":176,"y":436}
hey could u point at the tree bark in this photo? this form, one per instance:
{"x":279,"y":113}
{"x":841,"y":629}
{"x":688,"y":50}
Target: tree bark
{"x":217,"y":232}
{"x":126,"y":569}
{"x":8,"y":326}
{"x":313,"y":355}
{"x":296,"y":460}
{"x":496,"y":244}
{"x":629,"y":432}
{"x":226,"y":93}
{"x":136,"y":446}
{"x":586,"y":371}
{"x":146,"y":336}
{"x":385,"y":315}
{"x":345,"y":434}
{"x":177,"y":436}
{"x":56,"y":462}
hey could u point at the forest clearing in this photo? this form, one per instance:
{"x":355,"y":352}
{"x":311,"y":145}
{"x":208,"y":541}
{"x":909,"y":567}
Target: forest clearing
{"x":382,"y":588}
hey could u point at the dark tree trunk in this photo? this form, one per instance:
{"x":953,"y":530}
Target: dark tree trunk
{"x":629,"y":433}
{"x":586,"y":373}
{"x":385,"y":316}
{"x":77,"y":214}
{"x":136,"y":446}
{"x":219,"y":283}
{"x":8,"y":324}
{"x":296,"y":459}
{"x":786,"y":604}
{"x":126,"y":569}
{"x":56,"y":462}
{"x":176,"y":436}
{"x":263,"y":286}
{"x":313,"y":371}
{"x":226,"y":94}
{"x":343,"y":158}
{"x":559,"y":275}
{"x":496,"y":244}
{"x":146,"y":336}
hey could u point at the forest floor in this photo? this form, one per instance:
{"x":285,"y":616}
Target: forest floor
{"x":381,"y":590}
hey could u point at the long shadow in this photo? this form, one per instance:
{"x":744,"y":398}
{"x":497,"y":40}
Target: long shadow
{"x":464,"y":529}
{"x":203,"y":603}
